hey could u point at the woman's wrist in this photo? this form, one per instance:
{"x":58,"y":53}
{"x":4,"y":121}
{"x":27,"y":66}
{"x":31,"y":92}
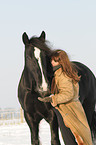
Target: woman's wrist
{"x":51,"y":95}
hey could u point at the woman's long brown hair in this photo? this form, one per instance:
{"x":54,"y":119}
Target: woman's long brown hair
{"x":68,"y":67}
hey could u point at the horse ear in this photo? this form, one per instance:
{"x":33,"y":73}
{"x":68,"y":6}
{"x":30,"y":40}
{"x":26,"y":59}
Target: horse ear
{"x":42,"y":36}
{"x":25,"y":38}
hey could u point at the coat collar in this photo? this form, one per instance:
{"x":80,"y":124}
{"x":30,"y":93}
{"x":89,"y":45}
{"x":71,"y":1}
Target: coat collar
{"x":58,"y":72}
{"x":56,"y":67}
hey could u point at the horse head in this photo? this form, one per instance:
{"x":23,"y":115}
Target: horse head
{"x":37,"y":62}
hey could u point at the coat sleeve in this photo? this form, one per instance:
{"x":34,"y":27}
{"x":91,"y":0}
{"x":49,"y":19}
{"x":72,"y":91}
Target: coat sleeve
{"x":66,"y":91}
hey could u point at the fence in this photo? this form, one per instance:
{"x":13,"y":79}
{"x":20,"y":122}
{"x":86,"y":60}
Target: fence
{"x":11,"y":116}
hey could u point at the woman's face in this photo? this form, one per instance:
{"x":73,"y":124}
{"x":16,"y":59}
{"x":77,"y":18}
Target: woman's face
{"x":54,"y":63}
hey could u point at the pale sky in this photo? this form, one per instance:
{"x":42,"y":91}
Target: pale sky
{"x":69,"y":25}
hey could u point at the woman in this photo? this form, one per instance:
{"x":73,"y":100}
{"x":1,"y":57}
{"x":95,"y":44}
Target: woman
{"x":66,"y":100}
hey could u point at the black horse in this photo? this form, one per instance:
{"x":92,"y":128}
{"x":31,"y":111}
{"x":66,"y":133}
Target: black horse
{"x":36,"y":81}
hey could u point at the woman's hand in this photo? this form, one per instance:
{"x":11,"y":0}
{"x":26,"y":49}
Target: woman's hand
{"x":46,"y":99}
{"x":54,"y":105}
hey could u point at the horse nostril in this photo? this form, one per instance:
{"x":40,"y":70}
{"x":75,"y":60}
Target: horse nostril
{"x":41,"y":88}
{"x":43,"y":92}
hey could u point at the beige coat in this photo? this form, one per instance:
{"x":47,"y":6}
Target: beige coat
{"x":68,"y":104}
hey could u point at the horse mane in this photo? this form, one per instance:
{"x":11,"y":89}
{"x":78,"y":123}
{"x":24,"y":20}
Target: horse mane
{"x":42,"y":45}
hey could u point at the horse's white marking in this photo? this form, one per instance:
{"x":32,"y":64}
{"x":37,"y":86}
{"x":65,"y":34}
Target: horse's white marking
{"x":37,"y":55}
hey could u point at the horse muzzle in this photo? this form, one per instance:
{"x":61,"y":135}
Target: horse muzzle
{"x":43,"y":93}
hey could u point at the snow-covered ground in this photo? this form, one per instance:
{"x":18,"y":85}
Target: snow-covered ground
{"x":20,"y":134}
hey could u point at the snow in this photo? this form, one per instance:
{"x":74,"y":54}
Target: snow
{"x":19,"y":134}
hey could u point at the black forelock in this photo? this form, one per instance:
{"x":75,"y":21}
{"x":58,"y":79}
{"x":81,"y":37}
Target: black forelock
{"x":36,"y":42}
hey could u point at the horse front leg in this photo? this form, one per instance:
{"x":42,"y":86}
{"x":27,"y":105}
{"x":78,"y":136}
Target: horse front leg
{"x":52,"y":120}
{"x":34,"y":128}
